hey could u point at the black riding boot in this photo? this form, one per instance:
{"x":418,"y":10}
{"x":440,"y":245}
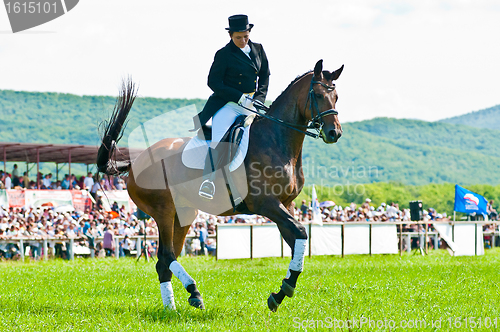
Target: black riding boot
{"x":207,"y":188}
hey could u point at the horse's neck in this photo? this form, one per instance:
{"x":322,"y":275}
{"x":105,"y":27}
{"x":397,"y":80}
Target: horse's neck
{"x":284,"y":141}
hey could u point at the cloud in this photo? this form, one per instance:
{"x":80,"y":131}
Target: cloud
{"x":425,"y":59}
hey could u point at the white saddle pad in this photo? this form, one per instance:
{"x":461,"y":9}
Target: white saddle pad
{"x":196,"y":150}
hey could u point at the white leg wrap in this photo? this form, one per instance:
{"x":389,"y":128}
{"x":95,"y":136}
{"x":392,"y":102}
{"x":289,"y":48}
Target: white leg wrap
{"x":167,"y":295}
{"x":180,"y":273}
{"x":297,"y":261}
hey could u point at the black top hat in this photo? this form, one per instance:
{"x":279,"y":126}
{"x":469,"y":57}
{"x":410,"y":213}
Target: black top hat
{"x":239,"y":23}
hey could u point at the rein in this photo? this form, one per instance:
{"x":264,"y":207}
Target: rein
{"x":316,"y":122}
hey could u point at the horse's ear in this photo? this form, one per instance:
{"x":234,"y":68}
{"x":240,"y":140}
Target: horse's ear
{"x":337,"y":73}
{"x":318,"y":68}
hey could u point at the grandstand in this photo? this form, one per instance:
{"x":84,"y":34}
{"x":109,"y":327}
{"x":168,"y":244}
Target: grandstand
{"x":53,"y":153}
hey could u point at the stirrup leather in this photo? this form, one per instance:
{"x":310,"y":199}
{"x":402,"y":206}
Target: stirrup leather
{"x":207,"y":189}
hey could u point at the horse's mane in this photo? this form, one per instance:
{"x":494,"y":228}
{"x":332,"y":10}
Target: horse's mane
{"x":277,"y":100}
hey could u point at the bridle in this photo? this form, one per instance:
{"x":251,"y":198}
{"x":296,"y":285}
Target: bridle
{"x":316,"y":123}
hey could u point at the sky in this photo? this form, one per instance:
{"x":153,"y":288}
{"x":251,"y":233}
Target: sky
{"x":425,"y":59}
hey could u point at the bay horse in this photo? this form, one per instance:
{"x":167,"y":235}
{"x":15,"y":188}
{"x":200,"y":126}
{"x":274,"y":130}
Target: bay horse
{"x":275,"y":143}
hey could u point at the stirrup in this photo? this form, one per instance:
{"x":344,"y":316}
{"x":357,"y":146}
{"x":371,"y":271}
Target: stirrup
{"x":207,"y":189}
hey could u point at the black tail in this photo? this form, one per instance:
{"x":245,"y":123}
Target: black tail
{"x":114,"y":131}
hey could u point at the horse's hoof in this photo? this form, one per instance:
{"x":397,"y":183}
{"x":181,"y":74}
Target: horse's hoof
{"x":271,"y":303}
{"x":197,"y":303}
{"x":287,"y":289}
{"x":170,"y":307}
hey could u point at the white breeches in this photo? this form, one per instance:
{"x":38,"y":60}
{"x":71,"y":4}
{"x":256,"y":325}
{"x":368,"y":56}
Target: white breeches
{"x":224,"y":118}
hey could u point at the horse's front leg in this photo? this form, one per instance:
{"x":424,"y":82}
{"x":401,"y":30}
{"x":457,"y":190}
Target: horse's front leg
{"x":165,"y":276}
{"x":295,"y":235}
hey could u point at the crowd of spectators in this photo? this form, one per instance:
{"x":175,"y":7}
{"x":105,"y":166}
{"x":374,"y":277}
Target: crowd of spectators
{"x":84,"y":228}
{"x":91,"y":182}
{"x":365,"y":212}
{"x":369,"y":212}
{"x":96,"y":229}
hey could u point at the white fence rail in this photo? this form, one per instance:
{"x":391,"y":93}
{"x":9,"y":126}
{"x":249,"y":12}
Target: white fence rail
{"x":264,"y":240}
{"x":73,"y":249}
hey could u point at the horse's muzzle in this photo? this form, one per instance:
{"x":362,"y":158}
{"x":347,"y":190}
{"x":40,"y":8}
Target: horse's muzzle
{"x":333,"y":135}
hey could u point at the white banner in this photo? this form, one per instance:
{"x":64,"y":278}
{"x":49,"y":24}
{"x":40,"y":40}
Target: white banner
{"x":266,"y":241}
{"x":384,"y":239}
{"x":445,"y":231}
{"x":49,"y":198}
{"x":233,"y":242}
{"x":326,"y":240}
{"x":4,"y":199}
{"x":119,"y":196}
{"x":465,"y":241}
{"x":356,"y":239}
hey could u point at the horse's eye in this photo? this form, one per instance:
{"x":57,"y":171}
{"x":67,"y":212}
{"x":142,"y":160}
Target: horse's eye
{"x":318,"y":95}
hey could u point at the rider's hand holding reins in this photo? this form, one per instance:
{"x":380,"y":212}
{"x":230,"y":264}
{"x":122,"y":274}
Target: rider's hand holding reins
{"x":246,"y":100}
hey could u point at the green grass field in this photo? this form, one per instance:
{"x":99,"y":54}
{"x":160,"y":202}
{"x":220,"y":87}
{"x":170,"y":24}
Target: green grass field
{"x":122,"y":295}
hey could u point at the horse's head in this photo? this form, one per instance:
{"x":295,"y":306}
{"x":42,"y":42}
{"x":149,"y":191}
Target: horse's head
{"x":320,"y":103}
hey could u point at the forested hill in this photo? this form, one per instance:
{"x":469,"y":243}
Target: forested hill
{"x":409,"y":152}
{"x":486,"y":118}
{"x":380,"y":150}
{"x":69,"y":119}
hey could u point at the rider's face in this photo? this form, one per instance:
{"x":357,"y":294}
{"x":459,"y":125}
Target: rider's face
{"x":240,"y":39}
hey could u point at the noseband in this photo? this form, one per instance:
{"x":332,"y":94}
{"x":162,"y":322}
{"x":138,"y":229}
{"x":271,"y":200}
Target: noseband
{"x":316,"y":121}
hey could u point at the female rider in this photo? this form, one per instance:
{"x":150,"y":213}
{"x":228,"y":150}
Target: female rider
{"x":239,"y":73}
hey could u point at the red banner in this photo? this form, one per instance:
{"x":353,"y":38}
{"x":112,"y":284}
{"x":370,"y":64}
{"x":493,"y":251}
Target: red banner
{"x":16,"y":198}
{"x":81,"y":200}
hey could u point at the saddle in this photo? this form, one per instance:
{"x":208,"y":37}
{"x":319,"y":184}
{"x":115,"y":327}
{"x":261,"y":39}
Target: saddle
{"x":228,"y":146}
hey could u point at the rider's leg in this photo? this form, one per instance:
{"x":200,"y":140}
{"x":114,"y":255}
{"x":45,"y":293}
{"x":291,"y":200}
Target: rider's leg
{"x":207,"y":188}
{"x":221,"y":122}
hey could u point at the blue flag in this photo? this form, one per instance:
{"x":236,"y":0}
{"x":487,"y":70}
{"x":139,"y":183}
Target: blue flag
{"x":468,"y":202}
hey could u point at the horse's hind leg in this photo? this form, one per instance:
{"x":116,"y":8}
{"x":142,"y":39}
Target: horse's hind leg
{"x":172,"y":237}
{"x":296,"y":237}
